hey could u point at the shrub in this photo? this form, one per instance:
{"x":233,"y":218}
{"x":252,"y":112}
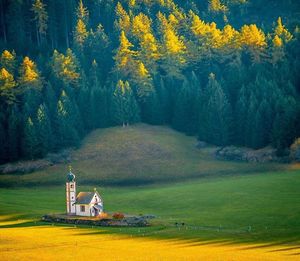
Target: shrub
{"x":295,"y":150}
{"x":103,"y":215}
{"x":118,"y":215}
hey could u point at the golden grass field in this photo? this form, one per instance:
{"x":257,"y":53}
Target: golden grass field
{"x":71,"y":243}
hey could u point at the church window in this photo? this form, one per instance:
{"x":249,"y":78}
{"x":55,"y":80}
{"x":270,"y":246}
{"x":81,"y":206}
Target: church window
{"x":82,"y":208}
{"x":71,"y":185}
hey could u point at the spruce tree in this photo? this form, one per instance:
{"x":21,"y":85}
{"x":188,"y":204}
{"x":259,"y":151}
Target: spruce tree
{"x":219,"y":114}
{"x":43,"y":131}
{"x":125,"y":107}
{"x":30,"y":141}
{"x":67,"y":132}
{"x":13,"y":133}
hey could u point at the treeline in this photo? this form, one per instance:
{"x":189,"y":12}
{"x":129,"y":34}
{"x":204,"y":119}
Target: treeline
{"x":68,"y":67}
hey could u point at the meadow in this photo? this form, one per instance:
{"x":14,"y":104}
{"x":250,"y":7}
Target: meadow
{"x":230,"y":210}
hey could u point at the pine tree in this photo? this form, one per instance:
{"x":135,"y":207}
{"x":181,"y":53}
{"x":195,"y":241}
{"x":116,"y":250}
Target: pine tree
{"x":241,"y":112}
{"x":185,"y":108}
{"x":219,"y":114}
{"x":7,"y":87}
{"x":13,"y":133}
{"x":80,"y":34}
{"x":29,"y":76}
{"x":30,"y":141}
{"x":124,"y":58}
{"x":43,"y":131}
{"x":125,"y":108}
{"x":41,"y":19}
{"x":8,"y":61}
{"x":68,"y":134}
{"x":66,"y":67}
{"x":3,"y":140}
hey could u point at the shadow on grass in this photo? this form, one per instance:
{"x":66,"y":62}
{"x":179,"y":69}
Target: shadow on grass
{"x":288,"y":247}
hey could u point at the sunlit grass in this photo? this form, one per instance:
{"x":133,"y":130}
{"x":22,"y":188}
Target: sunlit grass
{"x":70,"y":243}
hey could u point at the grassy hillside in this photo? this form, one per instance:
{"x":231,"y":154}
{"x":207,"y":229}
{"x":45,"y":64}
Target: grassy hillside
{"x":137,"y":155}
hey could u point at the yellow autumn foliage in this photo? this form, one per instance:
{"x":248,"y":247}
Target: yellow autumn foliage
{"x":251,"y":36}
{"x":6,"y":80}
{"x":123,"y":23}
{"x":277,"y":42}
{"x":28,"y":72}
{"x":142,"y":71}
{"x":80,"y":32}
{"x":173,"y":43}
{"x":217,"y":6}
{"x":8,"y":59}
{"x":141,"y":24}
{"x":124,"y":56}
{"x":282,"y":32}
{"x":65,"y":67}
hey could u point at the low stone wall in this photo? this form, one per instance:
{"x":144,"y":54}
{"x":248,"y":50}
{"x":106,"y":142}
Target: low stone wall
{"x":140,"y":221}
{"x":267,"y":154}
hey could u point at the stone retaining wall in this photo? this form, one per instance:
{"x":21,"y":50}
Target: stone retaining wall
{"x":125,"y":222}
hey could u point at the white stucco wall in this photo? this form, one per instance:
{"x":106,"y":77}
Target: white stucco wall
{"x":89,"y":210}
{"x":86,"y":213}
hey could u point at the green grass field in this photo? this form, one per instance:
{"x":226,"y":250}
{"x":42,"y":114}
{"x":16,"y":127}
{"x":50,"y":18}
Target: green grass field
{"x":269,"y":203}
{"x":217,"y":200}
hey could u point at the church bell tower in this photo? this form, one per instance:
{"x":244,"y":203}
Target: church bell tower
{"x":71,"y":193}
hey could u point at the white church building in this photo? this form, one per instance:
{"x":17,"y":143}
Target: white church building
{"x":89,"y":204}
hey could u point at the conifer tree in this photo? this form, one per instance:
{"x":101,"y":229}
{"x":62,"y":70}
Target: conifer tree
{"x":8,"y":61}
{"x":3,"y":141}
{"x":7,"y":85}
{"x":44,"y":131}
{"x":219,"y":114}
{"x":68,"y":134}
{"x":41,"y":19}
{"x":66,"y":67}
{"x":124,"y":58}
{"x":30,"y":141}
{"x":125,"y":107}
{"x":29,"y":76}
{"x":13,"y":131}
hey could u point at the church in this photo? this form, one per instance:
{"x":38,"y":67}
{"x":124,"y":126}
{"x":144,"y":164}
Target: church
{"x":88,"y":204}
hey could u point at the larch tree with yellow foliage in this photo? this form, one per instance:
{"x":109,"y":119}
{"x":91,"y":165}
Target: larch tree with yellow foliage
{"x":7,"y":85}
{"x":29,"y":76}
{"x":173,"y":49}
{"x":41,"y":19}
{"x":148,"y":49}
{"x":8,"y":60}
{"x":125,"y":56}
{"x":282,"y":32}
{"x":123,"y":22}
{"x":217,"y":6}
{"x":81,"y":33}
{"x":253,"y":40}
{"x":65,"y":67}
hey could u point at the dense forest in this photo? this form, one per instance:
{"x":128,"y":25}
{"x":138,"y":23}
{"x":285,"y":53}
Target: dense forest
{"x":226,"y":71}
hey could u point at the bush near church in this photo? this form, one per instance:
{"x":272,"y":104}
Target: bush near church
{"x":118,"y":215}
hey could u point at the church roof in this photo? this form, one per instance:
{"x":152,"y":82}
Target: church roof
{"x":97,"y":207}
{"x":85,"y":197}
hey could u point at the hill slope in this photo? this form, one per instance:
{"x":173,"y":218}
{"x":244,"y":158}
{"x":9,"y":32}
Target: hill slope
{"x":137,"y":155}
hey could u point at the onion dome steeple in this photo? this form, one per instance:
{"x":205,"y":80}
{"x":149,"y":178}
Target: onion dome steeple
{"x":70,"y":176}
